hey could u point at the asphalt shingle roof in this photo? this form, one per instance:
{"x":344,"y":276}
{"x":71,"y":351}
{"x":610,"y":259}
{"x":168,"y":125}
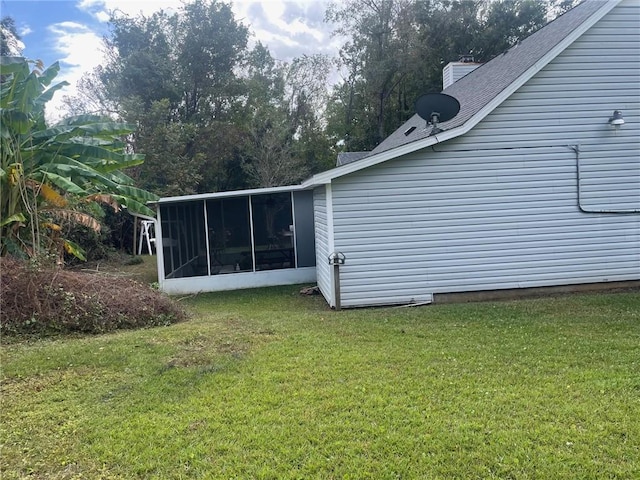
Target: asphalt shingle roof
{"x":350,"y":157}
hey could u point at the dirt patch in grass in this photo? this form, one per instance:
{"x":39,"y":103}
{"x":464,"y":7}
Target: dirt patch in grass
{"x":52,"y":300}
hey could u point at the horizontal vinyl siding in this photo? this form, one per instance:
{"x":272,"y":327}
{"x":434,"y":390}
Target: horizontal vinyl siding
{"x":322,"y":242}
{"x":498,"y":207}
{"x":610,"y":182}
{"x":569,"y":102}
{"x":476,"y":223}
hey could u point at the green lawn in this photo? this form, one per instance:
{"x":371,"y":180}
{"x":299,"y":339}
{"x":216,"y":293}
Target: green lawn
{"x":270,"y":384}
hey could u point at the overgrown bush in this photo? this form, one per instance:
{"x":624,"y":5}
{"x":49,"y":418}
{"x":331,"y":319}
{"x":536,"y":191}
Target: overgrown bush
{"x":96,"y":244}
{"x":120,"y":227}
{"x":41,"y":300}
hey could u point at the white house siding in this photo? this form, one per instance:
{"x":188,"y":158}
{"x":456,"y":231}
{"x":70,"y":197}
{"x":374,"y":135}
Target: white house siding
{"x":322,"y":224}
{"x":498,"y":207}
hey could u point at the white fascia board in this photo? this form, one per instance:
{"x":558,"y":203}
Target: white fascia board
{"x":231,"y":193}
{"x":328,"y":176}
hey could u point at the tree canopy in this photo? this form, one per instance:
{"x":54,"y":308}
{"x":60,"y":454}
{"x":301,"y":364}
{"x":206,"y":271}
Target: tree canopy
{"x":396,"y":51}
{"x":10,"y":42}
{"x":215,"y":114}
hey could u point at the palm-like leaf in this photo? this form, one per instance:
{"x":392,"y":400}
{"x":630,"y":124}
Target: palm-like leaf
{"x":73,"y":216}
{"x":80,"y":156}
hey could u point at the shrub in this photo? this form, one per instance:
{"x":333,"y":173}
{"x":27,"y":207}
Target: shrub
{"x":41,"y":300}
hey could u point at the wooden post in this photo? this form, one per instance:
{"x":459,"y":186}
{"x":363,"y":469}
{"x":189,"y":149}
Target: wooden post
{"x":135,"y":235}
{"x":336,"y":284}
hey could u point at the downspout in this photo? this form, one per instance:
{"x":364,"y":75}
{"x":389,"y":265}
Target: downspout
{"x":576,"y":150}
{"x":336,"y":259}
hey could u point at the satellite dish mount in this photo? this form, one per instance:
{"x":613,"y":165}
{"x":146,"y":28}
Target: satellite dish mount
{"x":435,"y":119}
{"x":437,"y":108}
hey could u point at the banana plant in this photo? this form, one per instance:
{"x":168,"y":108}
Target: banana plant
{"x":43,"y":168}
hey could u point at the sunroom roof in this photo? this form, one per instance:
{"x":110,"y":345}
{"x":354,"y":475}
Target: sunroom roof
{"x":231,"y":193}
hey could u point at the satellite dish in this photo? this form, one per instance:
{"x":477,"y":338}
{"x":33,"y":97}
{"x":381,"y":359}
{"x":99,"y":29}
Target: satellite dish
{"x":437,"y":108}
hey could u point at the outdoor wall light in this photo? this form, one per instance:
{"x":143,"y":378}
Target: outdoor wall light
{"x":616,"y":120}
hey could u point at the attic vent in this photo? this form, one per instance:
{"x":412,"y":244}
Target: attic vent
{"x":409,"y":131}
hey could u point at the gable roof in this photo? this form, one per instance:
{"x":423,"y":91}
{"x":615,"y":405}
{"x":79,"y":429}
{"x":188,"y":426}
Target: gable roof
{"x":482,"y":90}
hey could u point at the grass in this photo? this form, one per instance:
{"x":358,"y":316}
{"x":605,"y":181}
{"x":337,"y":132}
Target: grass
{"x":269,"y":384}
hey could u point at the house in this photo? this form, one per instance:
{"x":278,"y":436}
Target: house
{"x":535,"y":182}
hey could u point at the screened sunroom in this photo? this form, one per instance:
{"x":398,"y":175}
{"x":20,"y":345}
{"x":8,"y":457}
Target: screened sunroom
{"x":230,"y":240}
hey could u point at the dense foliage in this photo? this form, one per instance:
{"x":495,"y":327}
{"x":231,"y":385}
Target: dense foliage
{"x":212,"y":114}
{"x":49,"y":174}
{"x":215,"y":115}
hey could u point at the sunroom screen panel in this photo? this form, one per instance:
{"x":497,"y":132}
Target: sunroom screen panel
{"x":229,"y":235}
{"x":183,"y":239}
{"x":273,"y":231}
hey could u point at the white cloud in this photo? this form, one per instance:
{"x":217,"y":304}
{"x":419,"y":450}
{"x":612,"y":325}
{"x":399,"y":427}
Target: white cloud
{"x":25,"y":30}
{"x":84,"y":4}
{"x":80,"y":50}
{"x":289,"y":28}
{"x":102,"y":16}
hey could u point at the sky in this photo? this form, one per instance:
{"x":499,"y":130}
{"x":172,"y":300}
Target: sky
{"x":71,"y":31}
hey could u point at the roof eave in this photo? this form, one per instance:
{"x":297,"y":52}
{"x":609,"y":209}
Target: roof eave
{"x":326,"y":177}
{"x":231,"y":193}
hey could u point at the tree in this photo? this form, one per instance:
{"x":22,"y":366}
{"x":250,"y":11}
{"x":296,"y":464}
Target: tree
{"x":211,"y":44}
{"x":268,"y":160}
{"x":398,"y":48}
{"x":306,"y":80}
{"x":141,"y":60}
{"x":175,"y":75}
{"x":265,"y":147}
{"x":46,"y":172}
{"x":93,"y":97}
{"x":283,"y":119}
{"x":504,"y":22}
{"x":169,"y":170}
{"x":9,"y":38}
{"x":211,"y":113}
{"x":373,"y":58}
